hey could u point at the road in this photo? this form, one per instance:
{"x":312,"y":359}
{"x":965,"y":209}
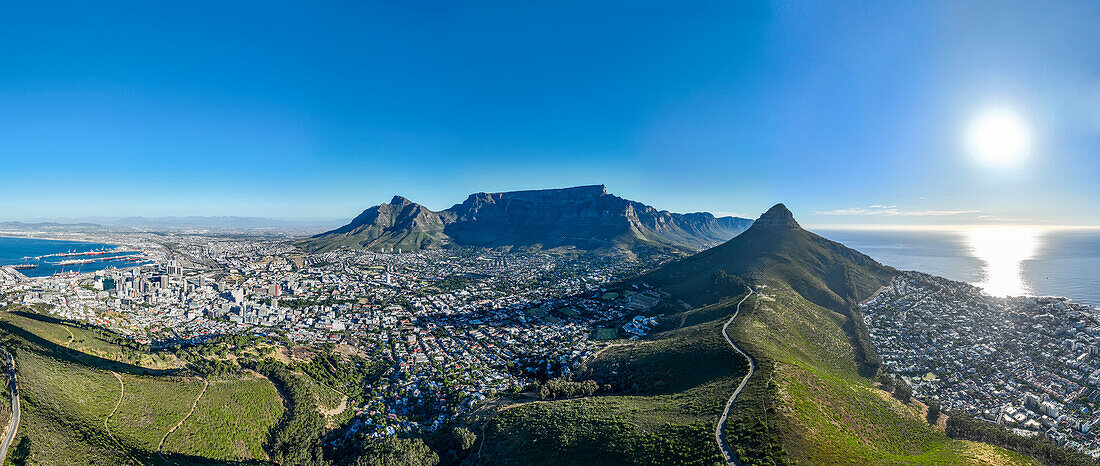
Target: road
{"x":719,"y":430}
{"x":14,"y":412}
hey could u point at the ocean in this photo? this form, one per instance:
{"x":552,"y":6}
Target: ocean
{"x":1003,"y":261}
{"x":31,"y":251}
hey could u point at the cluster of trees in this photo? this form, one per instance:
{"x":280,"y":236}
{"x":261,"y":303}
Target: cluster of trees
{"x":753,"y":429}
{"x":961,"y":426}
{"x":564,"y":388}
{"x":868,"y":359}
{"x":901,"y":390}
{"x":454,"y":282}
{"x":296,"y":439}
{"x":352,"y":375}
{"x":453,"y":445}
{"x":393,"y":451}
{"x":446,"y":446}
{"x":724,"y":284}
{"x":212,"y":367}
{"x":22,"y":452}
{"x":934,"y":408}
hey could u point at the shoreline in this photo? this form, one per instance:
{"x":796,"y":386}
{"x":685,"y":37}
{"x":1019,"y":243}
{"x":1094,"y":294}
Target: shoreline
{"x":5,"y":235}
{"x":63,"y":269}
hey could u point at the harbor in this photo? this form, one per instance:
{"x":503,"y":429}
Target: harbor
{"x":34,"y":257}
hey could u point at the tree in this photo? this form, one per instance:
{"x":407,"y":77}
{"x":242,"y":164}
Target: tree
{"x":933,"y":411}
{"x":463,"y":438}
{"x":887,"y":381}
{"x":724,"y":284}
{"x":397,"y":451}
{"x":902,"y":391}
{"x":22,"y":451}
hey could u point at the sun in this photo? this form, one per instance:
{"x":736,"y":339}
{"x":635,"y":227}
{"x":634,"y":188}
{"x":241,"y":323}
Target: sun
{"x":999,"y":138}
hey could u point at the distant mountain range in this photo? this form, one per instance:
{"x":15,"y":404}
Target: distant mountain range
{"x":223,"y":224}
{"x":583,"y":218}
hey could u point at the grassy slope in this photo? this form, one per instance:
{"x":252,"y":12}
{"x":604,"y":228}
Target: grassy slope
{"x":66,"y":396}
{"x":63,"y":406}
{"x":826,"y":412}
{"x":231,"y":421}
{"x":676,"y":388}
{"x":141,"y":423}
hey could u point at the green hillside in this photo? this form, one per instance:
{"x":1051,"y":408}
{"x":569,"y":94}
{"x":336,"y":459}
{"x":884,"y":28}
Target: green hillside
{"x":79,"y":408}
{"x":668,"y":393}
{"x":807,"y":403}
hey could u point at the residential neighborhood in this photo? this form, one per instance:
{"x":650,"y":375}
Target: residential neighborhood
{"x":1031,"y":364}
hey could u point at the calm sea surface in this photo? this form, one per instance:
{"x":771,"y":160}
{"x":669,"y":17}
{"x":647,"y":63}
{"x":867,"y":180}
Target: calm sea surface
{"x":1003,"y":261}
{"x":15,"y":251}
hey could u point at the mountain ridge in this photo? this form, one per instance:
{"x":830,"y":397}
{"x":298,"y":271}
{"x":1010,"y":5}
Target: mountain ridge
{"x":581,"y":217}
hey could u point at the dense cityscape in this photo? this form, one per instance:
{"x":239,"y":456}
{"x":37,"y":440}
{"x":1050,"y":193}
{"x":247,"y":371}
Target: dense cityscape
{"x":1031,"y":364}
{"x":453,"y":327}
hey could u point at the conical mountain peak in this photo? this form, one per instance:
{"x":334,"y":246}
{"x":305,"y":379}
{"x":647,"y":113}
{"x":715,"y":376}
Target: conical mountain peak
{"x":399,"y":200}
{"x":777,"y":217}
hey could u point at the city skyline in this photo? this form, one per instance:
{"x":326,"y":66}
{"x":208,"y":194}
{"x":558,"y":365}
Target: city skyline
{"x":857,"y":115}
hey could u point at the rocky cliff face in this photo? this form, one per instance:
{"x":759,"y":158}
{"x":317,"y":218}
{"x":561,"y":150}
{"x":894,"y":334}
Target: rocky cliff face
{"x":776,"y":218}
{"x":583,"y":217}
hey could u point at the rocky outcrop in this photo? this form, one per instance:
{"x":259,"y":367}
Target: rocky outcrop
{"x":776,"y":218}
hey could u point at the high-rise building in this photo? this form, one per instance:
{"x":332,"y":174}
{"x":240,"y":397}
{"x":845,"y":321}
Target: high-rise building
{"x":174,"y":269}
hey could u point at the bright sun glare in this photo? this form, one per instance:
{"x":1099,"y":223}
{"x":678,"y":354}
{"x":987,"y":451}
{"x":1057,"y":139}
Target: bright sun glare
{"x":1003,"y":252}
{"x":999,"y":138}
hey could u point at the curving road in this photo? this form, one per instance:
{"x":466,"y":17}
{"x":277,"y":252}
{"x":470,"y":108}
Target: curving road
{"x":14,"y":412}
{"x":719,"y":430}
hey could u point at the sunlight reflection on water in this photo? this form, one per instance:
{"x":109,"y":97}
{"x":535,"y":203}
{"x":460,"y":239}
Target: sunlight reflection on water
{"x":1003,"y":252}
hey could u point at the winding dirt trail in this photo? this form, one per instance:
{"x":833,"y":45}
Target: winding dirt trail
{"x":107,"y":420}
{"x":719,"y":430}
{"x":72,"y":337}
{"x":194,"y":405}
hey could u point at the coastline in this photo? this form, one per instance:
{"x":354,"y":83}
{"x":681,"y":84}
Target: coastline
{"x":31,"y":248}
{"x":22,"y":236}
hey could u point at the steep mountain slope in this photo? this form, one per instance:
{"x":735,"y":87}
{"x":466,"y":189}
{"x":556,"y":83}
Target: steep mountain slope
{"x":400,"y":224}
{"x":807,"y":402}
{"x":583,"y":217}
{"x":824,"y":271}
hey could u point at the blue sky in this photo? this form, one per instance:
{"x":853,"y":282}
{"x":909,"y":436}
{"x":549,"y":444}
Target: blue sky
{"x":848,"y":113}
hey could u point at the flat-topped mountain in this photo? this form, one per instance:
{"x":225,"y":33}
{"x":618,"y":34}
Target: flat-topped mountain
{"x":582,"y":217}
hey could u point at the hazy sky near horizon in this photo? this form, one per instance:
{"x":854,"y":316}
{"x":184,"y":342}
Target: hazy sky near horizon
{"x":848,"y":113}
